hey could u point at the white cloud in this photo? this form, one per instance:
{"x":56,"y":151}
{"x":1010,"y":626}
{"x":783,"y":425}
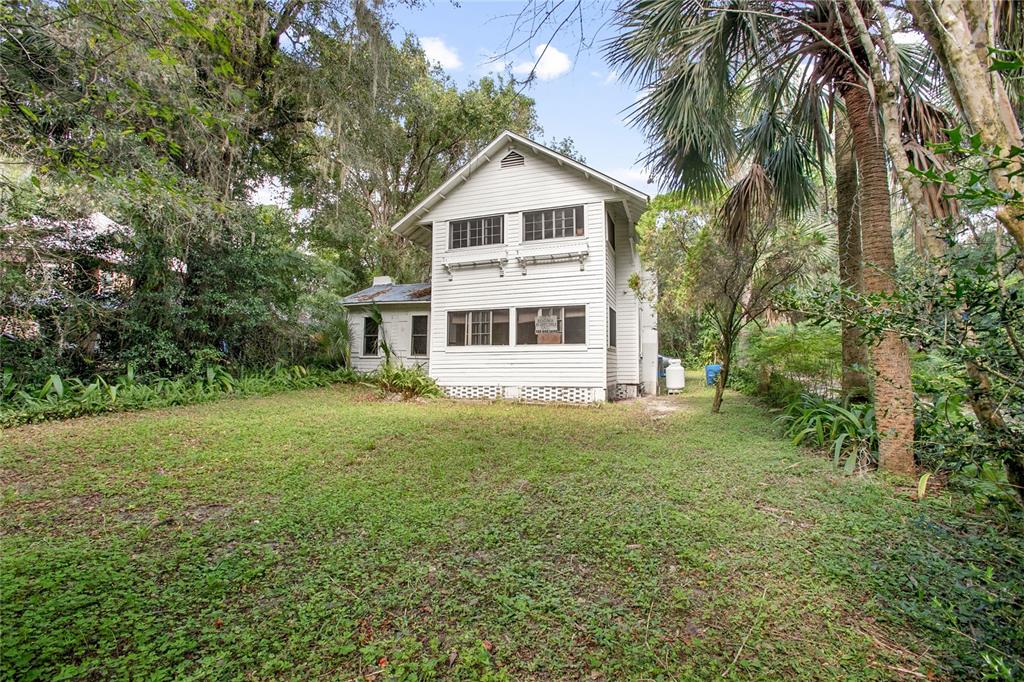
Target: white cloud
{"x":548,"y":63}
{"x":438,"y":52}
{"x":611,"y":77}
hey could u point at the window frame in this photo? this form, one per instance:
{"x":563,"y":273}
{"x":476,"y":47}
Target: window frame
{"x":483,"y":230}
{"x":367,"y":320}
{"x":468,"y":332}
{"x":579,"y":223}
{"x":613,"y":327}
{"x":609,"y":230}
{"x":561,"y":321}
{"x":425,"y":336}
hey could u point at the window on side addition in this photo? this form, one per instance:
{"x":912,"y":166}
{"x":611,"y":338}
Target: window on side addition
{"x":419,"y":335}
{"x":371,"y":334}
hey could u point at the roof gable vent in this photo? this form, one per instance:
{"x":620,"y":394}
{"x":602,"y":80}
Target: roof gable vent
{"x":513,"y":158}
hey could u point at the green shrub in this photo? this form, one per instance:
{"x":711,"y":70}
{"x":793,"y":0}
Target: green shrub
{"x":844,"y":430}
{"x":786,"y":359}
{"x":803,"y":348}
{"x":332,"y":336}
{"x":408,"y":382}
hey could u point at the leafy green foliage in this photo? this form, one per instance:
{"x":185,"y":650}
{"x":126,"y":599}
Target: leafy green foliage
{"x":409,"y":382}
{"x":964,"y":311}
{"x":58,"y":398}
{"x":804,"y":353}
{"x":727,"y":284}
{"x":847,"y":432}
{"x":969,"y":179}
{"x":163,"y":122}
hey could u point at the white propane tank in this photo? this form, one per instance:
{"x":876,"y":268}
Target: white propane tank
{"x":675,"y":380}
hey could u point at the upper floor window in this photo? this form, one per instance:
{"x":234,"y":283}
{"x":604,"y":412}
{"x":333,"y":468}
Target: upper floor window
{"x":611,"y":231}
{"x":371,"y":333}
{"x":551,"y":325}
{"x":478,"y":328}
{"x":553,"y":223}
{"x":477,"y":231}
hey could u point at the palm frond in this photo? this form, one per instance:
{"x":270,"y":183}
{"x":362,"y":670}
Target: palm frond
{"x":750,"y":200}
{"x":789,"y":167}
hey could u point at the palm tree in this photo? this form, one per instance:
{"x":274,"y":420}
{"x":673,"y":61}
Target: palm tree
{"x":855,"y":383}
{"x":705,"y":67}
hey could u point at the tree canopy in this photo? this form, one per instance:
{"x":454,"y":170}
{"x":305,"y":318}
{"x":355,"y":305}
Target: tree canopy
{"x":168,"y":120}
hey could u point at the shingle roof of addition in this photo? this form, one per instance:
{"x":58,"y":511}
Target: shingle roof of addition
{"x":390,"y":293}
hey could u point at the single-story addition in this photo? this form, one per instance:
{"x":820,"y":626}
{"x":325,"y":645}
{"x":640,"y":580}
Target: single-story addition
{"x":534,"y":284}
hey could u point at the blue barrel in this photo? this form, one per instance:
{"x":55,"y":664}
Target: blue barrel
{"x":711,"y":373}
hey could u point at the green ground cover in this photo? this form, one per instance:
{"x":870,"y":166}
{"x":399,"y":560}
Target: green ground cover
{"x":331,"y":534}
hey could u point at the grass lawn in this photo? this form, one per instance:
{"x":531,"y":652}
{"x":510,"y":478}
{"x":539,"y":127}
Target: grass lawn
{"x":329,"y":534}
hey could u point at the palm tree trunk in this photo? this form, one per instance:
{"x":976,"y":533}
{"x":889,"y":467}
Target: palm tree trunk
{"x":890,"y":359}
{"x":851,"y":272}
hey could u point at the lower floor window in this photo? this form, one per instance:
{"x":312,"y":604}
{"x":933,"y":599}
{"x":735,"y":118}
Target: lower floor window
{"x":558,"y":325}
{"x":478,"y":327}
{"x":371,"y":332}
{"x":419,"y":334}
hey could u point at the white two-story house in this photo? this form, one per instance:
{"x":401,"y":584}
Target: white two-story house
{"x":534,"y":284}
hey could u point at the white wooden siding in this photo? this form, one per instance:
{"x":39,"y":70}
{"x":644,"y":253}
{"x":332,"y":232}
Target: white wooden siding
{"x":611,"y":301}
{"x":397,"y":330}
{"x":491,"y":190}
{"x":627,"y":261}
{"x":649,"y":332}
{"x":540,"y":183}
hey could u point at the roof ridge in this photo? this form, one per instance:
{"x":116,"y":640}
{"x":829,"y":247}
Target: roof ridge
{"x":401,"y":227}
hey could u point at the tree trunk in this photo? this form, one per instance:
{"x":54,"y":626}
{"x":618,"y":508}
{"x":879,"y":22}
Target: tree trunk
{"x":851,"y":273}
{"x":890,"y":359}
{"x":886,"y":78}
{"x":979,"y":393}
{"x":720,"y":382}
{"x":958,"y":33}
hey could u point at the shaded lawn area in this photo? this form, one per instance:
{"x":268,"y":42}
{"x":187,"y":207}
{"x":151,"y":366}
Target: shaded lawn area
{"x":327,"y":534}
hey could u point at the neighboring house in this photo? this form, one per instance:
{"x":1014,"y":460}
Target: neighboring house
{"x":533,"y":270}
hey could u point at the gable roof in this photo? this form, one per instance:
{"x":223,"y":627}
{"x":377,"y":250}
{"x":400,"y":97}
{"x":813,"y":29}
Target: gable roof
{"x":409,"y":226}
{"x":390,"y":293}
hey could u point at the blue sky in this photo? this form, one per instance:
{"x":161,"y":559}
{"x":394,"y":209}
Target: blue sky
{"x":577,"y":94}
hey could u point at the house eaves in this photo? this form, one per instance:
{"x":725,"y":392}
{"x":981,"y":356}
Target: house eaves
{"x":410,"y":227}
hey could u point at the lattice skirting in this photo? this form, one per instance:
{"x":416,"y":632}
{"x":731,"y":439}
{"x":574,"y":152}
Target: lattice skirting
{"x":563,"y":394}
{"x":473,"y":392}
